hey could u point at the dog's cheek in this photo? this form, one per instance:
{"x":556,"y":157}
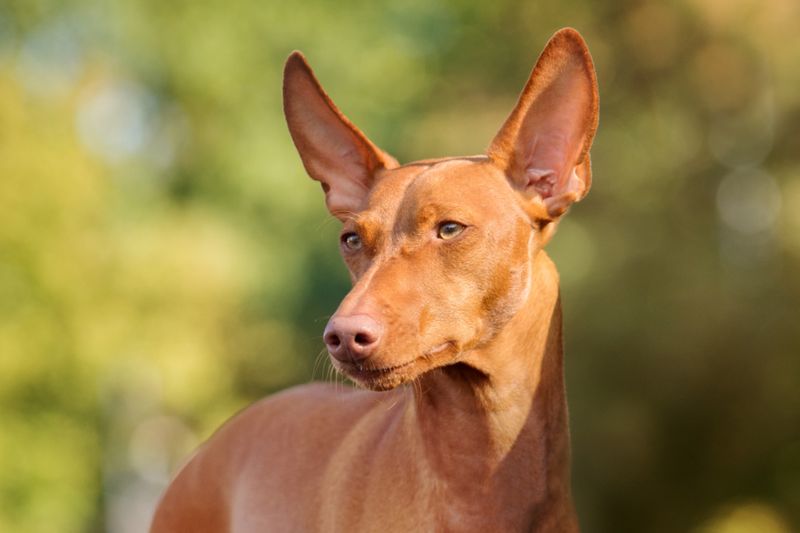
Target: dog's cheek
{"x":509,"y":285}
{"x":450,"y":310}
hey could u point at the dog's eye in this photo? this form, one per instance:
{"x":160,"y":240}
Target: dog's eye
{"x":449,"y":229}
{"x":351,"y":241}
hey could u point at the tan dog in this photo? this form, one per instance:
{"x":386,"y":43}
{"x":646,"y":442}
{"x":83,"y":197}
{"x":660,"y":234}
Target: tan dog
{"x":453,"y":294}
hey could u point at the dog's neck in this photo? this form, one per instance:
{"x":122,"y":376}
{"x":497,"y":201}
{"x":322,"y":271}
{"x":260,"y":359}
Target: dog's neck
{"x":498,"y":424}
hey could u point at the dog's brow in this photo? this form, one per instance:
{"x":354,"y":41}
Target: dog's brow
{"x":369,"y":225}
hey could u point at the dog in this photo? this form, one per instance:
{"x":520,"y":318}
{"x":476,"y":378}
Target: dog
{"x":452,"y":331}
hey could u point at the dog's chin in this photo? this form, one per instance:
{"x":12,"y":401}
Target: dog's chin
{"x":379,"y":376}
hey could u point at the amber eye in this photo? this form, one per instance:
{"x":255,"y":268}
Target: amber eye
{"x":351,"y":241}
{"x":449,"y":229}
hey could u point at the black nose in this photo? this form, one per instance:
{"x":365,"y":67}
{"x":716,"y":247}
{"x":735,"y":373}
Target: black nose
{"x":352,"y":338}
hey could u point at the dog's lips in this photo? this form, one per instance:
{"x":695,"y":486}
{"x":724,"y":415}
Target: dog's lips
{"x":357,"y":370}
{"x":377,"y":377}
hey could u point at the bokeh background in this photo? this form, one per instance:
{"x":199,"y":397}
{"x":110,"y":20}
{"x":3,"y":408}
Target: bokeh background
{"x":164,"y":261}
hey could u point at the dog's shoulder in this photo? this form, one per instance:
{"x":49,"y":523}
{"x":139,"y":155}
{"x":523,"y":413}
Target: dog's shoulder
{"x":291,"y":421}
{"x":274,"y":439}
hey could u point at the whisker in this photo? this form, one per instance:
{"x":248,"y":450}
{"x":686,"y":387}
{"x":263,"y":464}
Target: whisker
{"x":417,"y":386}
{"x":331,"y":374}
{"x":391,"y":405}
{"x":338,"y":380}
{"x":325,"y":222}
{"x":317,"y":361}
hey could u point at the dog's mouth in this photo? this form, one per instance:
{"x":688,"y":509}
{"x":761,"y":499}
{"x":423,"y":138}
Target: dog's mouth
{"x":365,"y":372}
{"x":373,"y":376}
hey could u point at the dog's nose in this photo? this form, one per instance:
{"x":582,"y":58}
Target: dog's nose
{"x":352,"y":338}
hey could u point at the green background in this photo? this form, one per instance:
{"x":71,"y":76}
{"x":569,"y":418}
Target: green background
{"x":164,"y":261}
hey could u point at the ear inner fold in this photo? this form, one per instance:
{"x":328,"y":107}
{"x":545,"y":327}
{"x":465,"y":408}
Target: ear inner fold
{"x":544,"y":144}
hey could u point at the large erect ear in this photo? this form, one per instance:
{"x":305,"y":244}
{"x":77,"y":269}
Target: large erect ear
{"x":544,"y":144}
{"x":333,"y":150}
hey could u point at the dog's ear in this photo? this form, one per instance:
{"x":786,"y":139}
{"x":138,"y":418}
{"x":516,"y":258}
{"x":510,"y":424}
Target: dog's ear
{"x":333,"y":150}
{"x":543,"y":146}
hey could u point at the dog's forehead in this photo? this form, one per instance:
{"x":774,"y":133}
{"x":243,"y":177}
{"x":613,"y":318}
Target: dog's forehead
{"x":456,"y":181}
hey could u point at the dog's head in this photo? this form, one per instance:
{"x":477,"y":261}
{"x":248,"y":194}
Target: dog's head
{"x":440,"y":251}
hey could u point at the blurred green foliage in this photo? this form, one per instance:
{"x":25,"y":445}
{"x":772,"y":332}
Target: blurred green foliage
{"x":164,"y":261}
